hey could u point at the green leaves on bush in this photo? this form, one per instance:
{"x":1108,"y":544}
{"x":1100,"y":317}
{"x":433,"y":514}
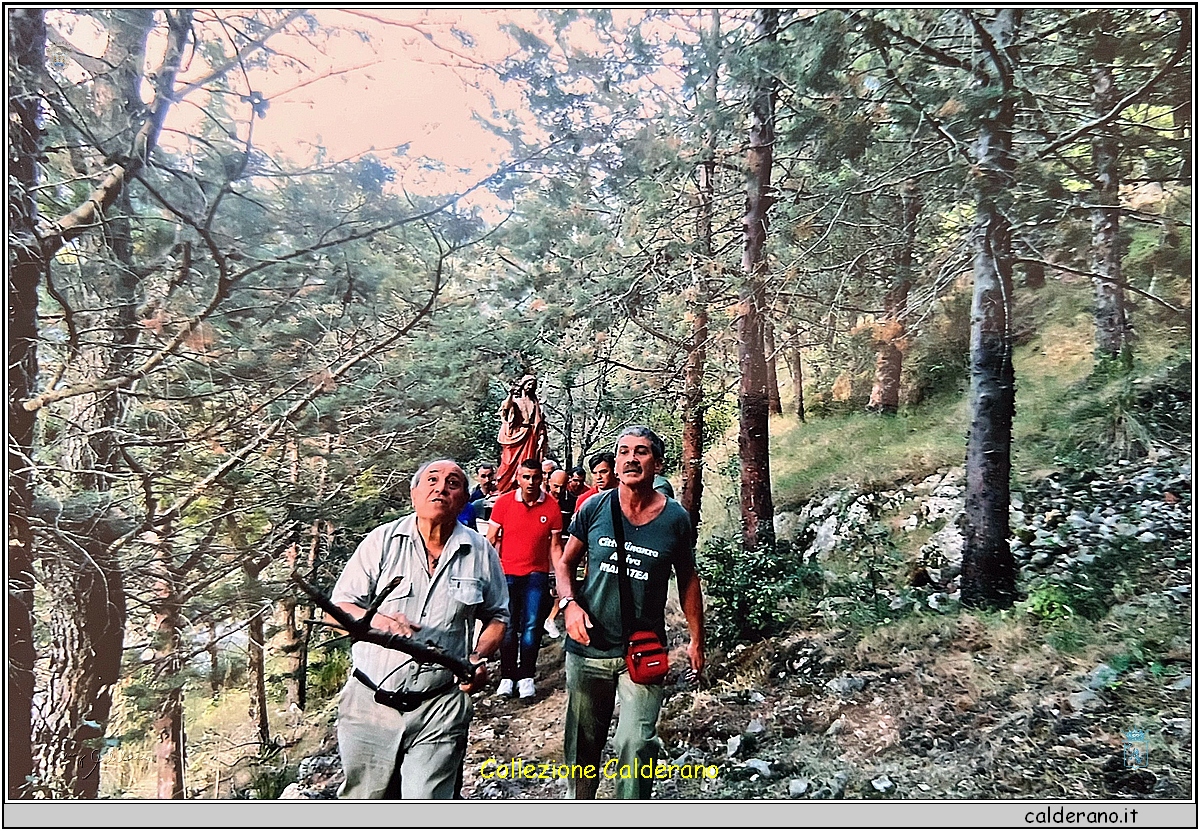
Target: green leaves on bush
{"x":752,"y":595}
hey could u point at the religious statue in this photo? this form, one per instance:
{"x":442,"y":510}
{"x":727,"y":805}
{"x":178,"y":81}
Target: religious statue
{"x":522,"y":431}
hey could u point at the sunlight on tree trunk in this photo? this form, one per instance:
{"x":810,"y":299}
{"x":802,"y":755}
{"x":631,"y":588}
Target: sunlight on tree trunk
{"x":885,"y":392}
{"x":988,"y":569}
{"x":753,"y":433}
{"x":692,"y":490}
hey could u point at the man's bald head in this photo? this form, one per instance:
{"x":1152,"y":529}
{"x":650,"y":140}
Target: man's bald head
{"x":557,"y":483}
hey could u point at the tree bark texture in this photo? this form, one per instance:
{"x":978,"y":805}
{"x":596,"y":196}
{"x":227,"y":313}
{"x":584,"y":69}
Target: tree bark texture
{"x":257,"y":672}
{"x":988,"y":571}
{"x":165,"y":606}
{"x":1111,"y":313}
{"x":87,"y":605}
{"x":86,"y":616}
{"x":693,"y":377}
{"x":885,"y":391}
{"x":753,"y":435}
{"x":774,"y":404}
{"x":27,"y":48}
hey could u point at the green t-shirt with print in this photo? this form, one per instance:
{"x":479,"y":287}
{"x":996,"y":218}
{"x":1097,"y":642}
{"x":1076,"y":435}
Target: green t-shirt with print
{"x":651,"y":551}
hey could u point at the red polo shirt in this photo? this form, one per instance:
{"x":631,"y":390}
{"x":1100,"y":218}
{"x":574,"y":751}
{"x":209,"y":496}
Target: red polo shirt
{"x":525,"y":532}
{"x":583,"y":497}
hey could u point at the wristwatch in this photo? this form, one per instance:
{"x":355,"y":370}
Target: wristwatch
{"x":562,"y":604}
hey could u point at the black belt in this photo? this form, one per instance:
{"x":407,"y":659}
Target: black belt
{"x":401,"y":700}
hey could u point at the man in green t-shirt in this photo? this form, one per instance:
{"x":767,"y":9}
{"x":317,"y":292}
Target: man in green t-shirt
{"x":658,"y":538}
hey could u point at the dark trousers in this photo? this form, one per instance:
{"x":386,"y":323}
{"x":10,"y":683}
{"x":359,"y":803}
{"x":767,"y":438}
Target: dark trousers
{"x":527,"y":597}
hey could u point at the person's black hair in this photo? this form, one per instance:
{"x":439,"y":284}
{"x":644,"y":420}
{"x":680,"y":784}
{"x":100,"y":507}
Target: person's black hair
{"x":605,"y":456}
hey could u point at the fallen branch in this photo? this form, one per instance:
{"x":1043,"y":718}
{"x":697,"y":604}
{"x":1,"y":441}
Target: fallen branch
{"x":360,"y":630}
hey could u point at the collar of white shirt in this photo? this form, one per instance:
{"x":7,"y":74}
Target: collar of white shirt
{"x":521,"y":498}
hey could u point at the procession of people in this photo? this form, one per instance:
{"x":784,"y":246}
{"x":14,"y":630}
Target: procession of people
{"x":485,"y":573}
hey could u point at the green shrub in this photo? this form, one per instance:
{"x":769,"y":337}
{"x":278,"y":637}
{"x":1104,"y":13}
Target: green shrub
{"x":269,"y":781}
{"x":753,"y":595}
{"x":1049,"y":602}
{"x":1118,"y":417}
{"x":327,"y":676}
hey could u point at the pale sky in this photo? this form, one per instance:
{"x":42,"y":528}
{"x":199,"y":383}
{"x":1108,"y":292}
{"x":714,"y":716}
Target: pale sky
{"x":355,"y":96}
{"x":397,"y":89}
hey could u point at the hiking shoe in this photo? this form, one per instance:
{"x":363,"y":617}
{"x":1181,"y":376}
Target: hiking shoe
{"x":552,"y":629}
{"x":505,"y":689}
{"x":525,"y":685}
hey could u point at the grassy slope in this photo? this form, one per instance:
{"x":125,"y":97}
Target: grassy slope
{"x":873,"y":451}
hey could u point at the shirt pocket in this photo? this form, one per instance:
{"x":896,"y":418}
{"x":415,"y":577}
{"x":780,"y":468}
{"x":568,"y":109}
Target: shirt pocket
{"x":466,"y":590}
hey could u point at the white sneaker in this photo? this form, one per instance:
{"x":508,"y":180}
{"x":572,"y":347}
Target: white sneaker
{"x":505,"y":690}
{"x":552,"y":629}
{"x":525,"y":685}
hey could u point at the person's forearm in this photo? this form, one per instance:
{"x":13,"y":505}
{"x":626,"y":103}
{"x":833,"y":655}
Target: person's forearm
{"x":489,"y":639}
{"x":564,"y":567}
{"x":353,"y":609}
{"x":556,"y":552}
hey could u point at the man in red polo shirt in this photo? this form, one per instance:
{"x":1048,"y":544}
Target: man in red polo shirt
{"x":527,"y":530}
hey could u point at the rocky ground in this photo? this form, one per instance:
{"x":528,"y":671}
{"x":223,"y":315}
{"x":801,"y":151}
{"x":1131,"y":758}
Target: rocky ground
{"x":938,"y":703}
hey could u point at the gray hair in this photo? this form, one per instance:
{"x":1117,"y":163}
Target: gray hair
{"x":643,"y":432}
{"x":421,"y":471}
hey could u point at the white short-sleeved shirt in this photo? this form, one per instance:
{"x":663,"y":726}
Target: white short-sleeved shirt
{"x":468,"y":585}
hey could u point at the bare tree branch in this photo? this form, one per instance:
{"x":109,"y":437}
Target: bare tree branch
{"x":361,"y":630}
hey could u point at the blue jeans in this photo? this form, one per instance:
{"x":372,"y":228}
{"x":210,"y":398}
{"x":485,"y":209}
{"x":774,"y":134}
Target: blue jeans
{"x":523,"y":638}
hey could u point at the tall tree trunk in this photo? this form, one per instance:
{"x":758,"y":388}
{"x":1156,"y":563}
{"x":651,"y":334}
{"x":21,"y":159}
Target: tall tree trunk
{"x":27,"y":50}
{"x":885,"y":392}
{"x":753,"y":436}
{"x":86,"y":620}
{"x":87,"y":615}
{"x":693,"y":378}
{"x":215,"y":676}
{"x":796,"y":367}
{"x":988,"y":572}
{"x":165,"y":607}
{"x":293,"y":640}
{"x":256,"y":660}
{"x":1111,"y":313}
{"x":774,"y":405}
{"x":289,"y":633}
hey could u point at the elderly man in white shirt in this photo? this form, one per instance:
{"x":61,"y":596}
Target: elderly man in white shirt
{"x":412,"y":746}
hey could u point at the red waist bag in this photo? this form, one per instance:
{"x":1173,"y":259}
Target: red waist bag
{"x":646,"y":658}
